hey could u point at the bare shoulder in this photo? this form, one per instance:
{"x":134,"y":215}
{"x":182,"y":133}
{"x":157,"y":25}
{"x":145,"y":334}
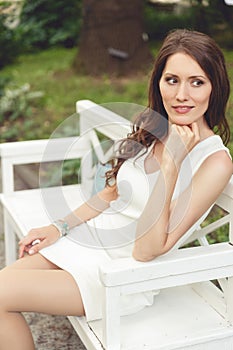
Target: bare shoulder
{"x":219,"y":164}
{"x":221,"y":161}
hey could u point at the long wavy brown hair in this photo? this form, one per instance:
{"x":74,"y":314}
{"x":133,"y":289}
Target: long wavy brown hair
{"x":152,"y":124}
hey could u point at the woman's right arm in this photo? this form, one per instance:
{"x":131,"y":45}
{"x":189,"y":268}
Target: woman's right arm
{"x":48,"y":235}
{"x":93,"y":207}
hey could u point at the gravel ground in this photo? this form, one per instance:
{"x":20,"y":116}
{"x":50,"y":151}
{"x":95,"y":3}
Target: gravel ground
{"x":49,"y":332}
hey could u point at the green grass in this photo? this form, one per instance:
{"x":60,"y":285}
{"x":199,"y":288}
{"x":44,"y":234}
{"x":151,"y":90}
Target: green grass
{"x":51,"y":72}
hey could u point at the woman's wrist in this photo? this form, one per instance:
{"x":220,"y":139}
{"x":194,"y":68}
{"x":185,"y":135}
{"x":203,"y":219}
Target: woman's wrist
{"x":62,"y":226}
{"x":170,"y":166}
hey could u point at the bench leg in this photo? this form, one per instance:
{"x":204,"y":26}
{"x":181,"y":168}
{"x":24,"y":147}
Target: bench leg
{"x":111,"y":319}
{"x":10,"y":241}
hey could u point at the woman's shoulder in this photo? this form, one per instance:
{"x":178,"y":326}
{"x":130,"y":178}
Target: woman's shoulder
{"x":220,"y":161}
{"x":211,"y":153}
{"x":217,"y":167}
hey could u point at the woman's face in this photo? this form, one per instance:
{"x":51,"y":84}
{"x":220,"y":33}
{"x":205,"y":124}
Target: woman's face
{"x":185,"y":90}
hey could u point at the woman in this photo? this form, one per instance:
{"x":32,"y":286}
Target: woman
{"x":181,"y":167}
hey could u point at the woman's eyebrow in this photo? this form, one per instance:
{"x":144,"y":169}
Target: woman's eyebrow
{"x":190,"y":77}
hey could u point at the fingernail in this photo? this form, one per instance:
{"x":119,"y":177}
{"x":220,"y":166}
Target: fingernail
{"x":31,"y":251}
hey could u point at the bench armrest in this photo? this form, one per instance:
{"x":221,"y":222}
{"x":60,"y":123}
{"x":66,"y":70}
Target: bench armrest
{"x":186,"y":261}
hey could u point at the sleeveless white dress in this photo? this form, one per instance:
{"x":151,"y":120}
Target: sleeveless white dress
{"x":111,"y":234}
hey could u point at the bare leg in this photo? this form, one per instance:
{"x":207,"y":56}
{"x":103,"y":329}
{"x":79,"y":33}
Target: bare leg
{"x":33,"y":284}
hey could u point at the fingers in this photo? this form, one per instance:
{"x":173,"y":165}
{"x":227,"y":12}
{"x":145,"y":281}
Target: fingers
{"x":189,"y":134}
{"x":195,"y":129}
{"x":27,"y":242}
{"x":181,"y":140}
{"x":32,"y":236}
{"x":37,"y":246}
{"x":27,"y":248}
{"x":37,"y":239}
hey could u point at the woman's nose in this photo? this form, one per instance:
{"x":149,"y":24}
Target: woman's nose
{"x":182,"y":92}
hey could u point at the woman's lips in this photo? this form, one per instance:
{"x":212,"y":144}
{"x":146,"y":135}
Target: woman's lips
{"x":182,"y":109}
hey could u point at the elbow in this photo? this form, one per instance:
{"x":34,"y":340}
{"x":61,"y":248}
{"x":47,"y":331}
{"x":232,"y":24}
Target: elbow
{"x":143,"y":256}
{"x":147,"y":254}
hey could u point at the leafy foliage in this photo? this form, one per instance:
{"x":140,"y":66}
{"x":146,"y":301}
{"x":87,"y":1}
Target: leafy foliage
{"x":9,"y":42}
{"x":212,"y":17}
{"x":47,"y":23}
{"x":4,"y":80}
{"x":159,"y":23}
{"x":16,"y":106}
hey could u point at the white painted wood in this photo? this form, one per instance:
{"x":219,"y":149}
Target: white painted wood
{"x":26,"y":216}
{"x":225,"y":199}
{"x":203,"y":241}
{"x":179,"y":318}
{"x":212,"y":295}
{"x":26,"y":152}
{"x":7,"y":176}
{"x":188,"y":313}
{"x":176,"y":280}
{"x":229,"y":299}
{"x":20,"y":216}
{"x":102,"y":119}
{"x":199,"y":234}
{"x":182,"y":261}
{"x":111,"y":319}
{"x":85,"y":333}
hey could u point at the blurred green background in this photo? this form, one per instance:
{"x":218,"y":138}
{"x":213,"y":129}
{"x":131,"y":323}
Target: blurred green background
{"x":38,"y":82}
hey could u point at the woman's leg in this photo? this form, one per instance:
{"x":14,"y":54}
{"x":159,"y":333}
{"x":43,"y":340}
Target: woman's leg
{"x":33,"y":284}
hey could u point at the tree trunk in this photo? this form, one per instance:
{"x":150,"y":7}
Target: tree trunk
{"x":112,"y":40}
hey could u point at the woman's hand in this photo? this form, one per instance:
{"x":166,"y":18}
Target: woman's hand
{"x":38,"y":238}
{"x":180,"y":141}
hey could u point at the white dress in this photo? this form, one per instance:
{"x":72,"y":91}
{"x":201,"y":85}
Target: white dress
{"x":111,"y":234}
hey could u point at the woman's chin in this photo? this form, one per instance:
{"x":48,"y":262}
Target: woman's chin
{"x":180,"y":122}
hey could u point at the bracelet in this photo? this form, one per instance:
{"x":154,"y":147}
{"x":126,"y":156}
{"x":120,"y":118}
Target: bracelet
{"x":62,"y":227}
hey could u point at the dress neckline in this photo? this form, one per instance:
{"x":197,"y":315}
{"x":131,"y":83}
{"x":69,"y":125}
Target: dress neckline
{"x":153,"y":143}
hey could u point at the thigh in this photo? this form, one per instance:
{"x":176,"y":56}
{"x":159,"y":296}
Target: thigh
{"x":36,"y":261}
{"x":35,"y":284}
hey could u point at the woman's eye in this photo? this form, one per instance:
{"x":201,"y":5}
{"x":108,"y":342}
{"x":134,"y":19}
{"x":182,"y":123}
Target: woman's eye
{"x":171,"y":80}
{"x":197,"y":82}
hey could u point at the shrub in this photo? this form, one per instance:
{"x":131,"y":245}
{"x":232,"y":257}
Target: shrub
{"x":4,"y":80}
{"x":47,"y":23}
{"x":158,"y":23}
{"x":9,"y":42}
{"x":16,"y":106}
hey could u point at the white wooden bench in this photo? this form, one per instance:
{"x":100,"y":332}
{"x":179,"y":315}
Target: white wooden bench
{"x":190,"y":312}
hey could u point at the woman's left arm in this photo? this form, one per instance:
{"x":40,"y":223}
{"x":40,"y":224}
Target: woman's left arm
{"x":207,"y":184}
{"x":164,"y":221}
